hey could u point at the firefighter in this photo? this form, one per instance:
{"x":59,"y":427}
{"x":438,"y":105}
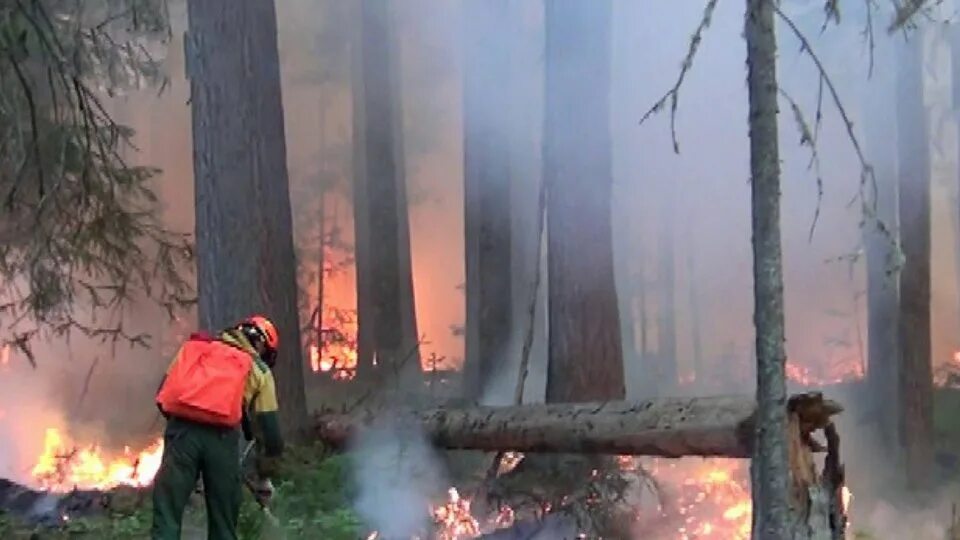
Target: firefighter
{"x":212,"y":387}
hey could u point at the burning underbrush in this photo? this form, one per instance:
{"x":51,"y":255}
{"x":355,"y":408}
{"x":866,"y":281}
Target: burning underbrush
{"x":624,"y":497}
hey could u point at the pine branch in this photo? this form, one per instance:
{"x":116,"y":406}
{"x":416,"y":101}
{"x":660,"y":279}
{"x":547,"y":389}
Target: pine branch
{"x":867,"y":176}
{"x":673,"y":94}
{"x":808,"y":139}
{"x":87,"y":236}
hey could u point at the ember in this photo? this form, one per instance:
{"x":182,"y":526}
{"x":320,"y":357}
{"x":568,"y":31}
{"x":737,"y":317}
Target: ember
{"x":64,"y":466}
{"x":707,"y":498}
{"x":454,"y":520}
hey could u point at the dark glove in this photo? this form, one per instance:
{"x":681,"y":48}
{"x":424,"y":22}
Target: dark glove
{"x":262,"y":490}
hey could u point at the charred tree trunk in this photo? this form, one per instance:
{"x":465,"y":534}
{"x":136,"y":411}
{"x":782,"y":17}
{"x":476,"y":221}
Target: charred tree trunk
{"x":770,"y":466}
{"x":880,"y":238}
{"x":916,"y":372}
{"x":487,"y":89}
{"x":384,"y":285}
{"x":584,"y":321}
{"x":245,"y":256}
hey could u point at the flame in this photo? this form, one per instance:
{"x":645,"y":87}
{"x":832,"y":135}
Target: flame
{"x":826,"y":373}
{"x":707,"y":498}
{"x":947,"y":374}
{"x":63,"y":466}
{"x":454,"y":519}
{"x":334,"y":347}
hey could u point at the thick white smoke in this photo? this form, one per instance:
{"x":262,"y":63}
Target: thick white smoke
{"x":398,"y":475}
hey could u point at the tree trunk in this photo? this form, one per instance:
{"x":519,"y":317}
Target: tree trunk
{"x":718,"y":426}
{"x":361,"y":225}
{"x":245,"y":256}
{"x":770,"y":468}
{"x":487,"y":93}
{"x":384,"y":285}
{"x":694,"y":297}
{"x":667,"y":368}
{"x":916,"y":372}
{"x":582,"y":296}
{"x":955,"y":95}
{"x":670,"y":427}
{"x":411,"y":369}
{"x":880,"y":237}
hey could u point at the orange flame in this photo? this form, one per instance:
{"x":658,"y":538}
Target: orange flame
{"x":454,"y":519}
{"x":63,"y":467}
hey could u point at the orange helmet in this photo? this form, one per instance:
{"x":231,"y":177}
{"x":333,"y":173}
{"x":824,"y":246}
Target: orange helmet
{"x":265,"y":327}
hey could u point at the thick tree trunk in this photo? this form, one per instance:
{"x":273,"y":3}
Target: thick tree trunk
{"x":667,"y":369}
{"x":955,"y":95}
{"x":582,"y":297}
{"x":361,"y":224}
{"x":694,"y":297}
{"x":487,"y":100}
{"x":671,"y":427}
{"x":411,"y":371}
{"x":770,"y":467}
{"x":880,"y":237}
{"x":245,"y":257}
{"x":719,"y":426}
{"x":916,"y":372}
{"x":384,"y":283}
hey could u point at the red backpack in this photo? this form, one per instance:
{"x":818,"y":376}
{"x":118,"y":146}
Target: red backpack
{"x":205,"y":383}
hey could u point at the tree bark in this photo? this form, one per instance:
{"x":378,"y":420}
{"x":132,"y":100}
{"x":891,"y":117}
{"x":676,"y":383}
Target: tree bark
{"x":880,"y":237}
{"x":361,"y":225}
{"x":670,"y":427}
{"x":584,"y":322}
{"x":916,"y":372}
{"x":718,"y":426}
{"x":667,"y":369}
{"x":694,"y":297}
{"x":245,"y":256}
{"x":771,"y":503}
{"x":385,"y":289}
{"x":487,"y":100}
{"x":955,"y":88}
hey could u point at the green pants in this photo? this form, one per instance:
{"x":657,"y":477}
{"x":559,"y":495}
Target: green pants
{"x":193,"y":451}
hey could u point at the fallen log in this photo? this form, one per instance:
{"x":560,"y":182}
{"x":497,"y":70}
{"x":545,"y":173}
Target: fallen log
{"x":671,"y":427}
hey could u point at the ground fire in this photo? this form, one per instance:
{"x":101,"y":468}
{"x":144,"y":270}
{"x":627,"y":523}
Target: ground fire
{"x":64,"y":466}
{"x":702,"y":498}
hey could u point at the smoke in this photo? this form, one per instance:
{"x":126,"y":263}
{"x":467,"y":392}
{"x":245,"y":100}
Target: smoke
{"x":885,"y":520}
{"x":551,"y":527}
{"x":398,"y":475}
{"x":25,"y":409}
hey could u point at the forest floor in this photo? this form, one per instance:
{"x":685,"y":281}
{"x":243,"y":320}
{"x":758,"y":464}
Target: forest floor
{"x":315,"y":491}
{"x":311,"y":502}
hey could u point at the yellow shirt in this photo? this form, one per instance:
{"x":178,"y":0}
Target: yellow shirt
{"x":260,"y":391}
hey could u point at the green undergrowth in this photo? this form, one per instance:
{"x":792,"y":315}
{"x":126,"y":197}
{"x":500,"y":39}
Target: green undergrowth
{"x":312,"y":501}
